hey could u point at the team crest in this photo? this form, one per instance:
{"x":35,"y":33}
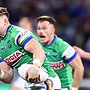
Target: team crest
{"x":3,"y":48}
{"x":55,"y":54}
{"x":9,"y":44}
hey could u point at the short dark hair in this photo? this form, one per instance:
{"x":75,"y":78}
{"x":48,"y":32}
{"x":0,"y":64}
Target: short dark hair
{"x":47,"y":18}
{"x":3,"y":11}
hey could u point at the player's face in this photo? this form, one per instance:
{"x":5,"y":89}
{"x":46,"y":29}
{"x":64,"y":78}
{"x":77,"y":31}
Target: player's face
{"x":26,"y":24}
{"x":45,"y":32}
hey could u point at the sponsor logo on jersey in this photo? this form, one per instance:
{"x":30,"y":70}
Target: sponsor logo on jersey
{"x":14,"y":58}
{"x":54,"y":54}
{"x":21,"y":36}
{"x":57,"y":65}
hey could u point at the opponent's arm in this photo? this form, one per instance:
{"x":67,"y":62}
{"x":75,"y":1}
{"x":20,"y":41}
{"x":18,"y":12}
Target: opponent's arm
{"x":6,"y":73}
{"x":82,"y":53}
{"x":77,"y":65}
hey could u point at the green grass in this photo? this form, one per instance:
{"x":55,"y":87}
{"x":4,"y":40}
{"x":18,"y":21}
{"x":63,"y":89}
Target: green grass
{"x":4,"y":86}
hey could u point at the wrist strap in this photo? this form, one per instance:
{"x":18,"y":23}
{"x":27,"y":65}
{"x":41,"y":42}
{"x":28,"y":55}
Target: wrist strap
{"x":73,"y":88}
{"x":37,"y":63}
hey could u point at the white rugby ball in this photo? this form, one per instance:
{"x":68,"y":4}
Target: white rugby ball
{"x":23,"y":68}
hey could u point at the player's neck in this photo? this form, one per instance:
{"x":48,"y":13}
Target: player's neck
{"x":51,"y":40}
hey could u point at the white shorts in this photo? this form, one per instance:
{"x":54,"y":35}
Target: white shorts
{"x":19,"y":83}
{"x":54,"y":84}
{"x":23,"y":85}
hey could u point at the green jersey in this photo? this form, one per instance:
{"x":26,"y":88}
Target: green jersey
{"x":59,"y":53}
{"x":12,"y":48}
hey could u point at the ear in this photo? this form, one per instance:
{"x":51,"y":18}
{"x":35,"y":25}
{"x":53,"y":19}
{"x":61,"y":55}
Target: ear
{"x":5,"y":19}
{"x":53,"y":28}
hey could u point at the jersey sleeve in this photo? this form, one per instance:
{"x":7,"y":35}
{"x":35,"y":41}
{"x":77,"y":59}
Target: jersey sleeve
{"x":68,"y":52}
{"x":23,"y":37}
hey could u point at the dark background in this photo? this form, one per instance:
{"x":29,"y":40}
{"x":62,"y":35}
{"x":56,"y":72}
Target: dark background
{"x":72,"y":16}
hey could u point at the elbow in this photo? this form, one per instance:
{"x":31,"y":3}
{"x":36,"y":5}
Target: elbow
{"x":43,"y":53}
{"x":7,"y":81}
{"x":81,"y":70}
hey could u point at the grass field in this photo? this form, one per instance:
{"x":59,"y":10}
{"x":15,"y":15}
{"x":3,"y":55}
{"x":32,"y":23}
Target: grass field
{"x":4,"y":86}
{"x":7,"y":87}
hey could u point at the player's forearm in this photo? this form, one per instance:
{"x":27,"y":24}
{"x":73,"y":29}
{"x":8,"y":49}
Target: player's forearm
{"x":39,"y":54}
{"x":86,"y":56}
{"x":78,"y":75}
{"x":7,"y":76}
{"x":82,"y":53}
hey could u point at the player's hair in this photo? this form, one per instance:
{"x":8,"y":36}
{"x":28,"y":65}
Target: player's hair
{"x":47,"y":18}
{"x":3,"y":11}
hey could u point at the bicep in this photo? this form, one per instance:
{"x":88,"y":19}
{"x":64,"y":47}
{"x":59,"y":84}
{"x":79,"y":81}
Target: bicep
{"x":32,"y":45}
{"x":76,"y":62}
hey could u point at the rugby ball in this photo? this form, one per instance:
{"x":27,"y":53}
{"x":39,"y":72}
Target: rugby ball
{"x":43,"y":75}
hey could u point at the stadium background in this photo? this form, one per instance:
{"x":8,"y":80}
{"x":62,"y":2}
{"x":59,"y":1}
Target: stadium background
{"x":73,"y":23}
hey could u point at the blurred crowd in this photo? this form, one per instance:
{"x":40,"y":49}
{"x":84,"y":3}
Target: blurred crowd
{"x":72,"y":17}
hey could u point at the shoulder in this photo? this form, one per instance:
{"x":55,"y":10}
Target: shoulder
{"x":60,"y":42}
{"x":17,"y":28}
